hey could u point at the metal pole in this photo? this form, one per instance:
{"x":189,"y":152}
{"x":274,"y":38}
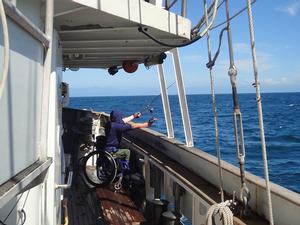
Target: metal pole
{"x":182,"y":99}
{"x":183,"y":8}
{"x":46,"y":78}
{"x":165,"y":101}
{"x":167,"y":4}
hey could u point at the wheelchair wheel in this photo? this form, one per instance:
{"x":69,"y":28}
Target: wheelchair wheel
{"x":99,"y":169}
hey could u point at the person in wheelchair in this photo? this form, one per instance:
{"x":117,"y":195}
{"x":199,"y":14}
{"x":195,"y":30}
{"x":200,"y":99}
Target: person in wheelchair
{"x":114,"y":130}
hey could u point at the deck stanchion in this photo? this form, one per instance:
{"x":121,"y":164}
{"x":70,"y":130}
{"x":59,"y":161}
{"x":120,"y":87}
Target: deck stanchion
{"x":146,"y":173}
{"x":182,"y":99}
{"x":165,"y":101}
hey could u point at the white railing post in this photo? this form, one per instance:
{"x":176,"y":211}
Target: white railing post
{"x":165,"y":101}
{"x":182,"y":99}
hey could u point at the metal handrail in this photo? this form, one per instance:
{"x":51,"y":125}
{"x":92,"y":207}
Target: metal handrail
{"x":69,"y":182}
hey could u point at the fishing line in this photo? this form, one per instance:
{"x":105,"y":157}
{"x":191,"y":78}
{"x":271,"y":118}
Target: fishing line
{"x":147,"y":107}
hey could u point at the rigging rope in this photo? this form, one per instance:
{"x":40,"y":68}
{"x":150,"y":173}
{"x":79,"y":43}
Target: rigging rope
{"x":4,"y":74}
{"x":202,"y":21}
{"x":224,"y":212}
{"x":214,"y":108}
{"x":260,"y":114}
{"x":232,"y":17}
{"x":212,"y":62}
{"x":237,"y":119}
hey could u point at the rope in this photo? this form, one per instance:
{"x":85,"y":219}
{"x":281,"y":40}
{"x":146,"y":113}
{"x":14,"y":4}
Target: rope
{"x":6,"y":49}
{"x":201,"y":23}
{"x":232,"y":17}
{"x":212,"y":19}
{"x":224,"y":212}
{"x":260,"y":114}
{"x":23,"y":213}
{"x":212,"y":62}
{"x":214,"y":107}
{"x":3,"y":222}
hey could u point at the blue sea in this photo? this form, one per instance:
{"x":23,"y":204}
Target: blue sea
{"x":281,"y":122}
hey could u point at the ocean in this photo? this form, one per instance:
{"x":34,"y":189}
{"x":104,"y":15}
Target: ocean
{"x":281,"y":123}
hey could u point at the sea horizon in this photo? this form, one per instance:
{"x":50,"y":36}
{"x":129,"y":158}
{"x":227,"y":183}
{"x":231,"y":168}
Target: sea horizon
{"x":240,"y":93}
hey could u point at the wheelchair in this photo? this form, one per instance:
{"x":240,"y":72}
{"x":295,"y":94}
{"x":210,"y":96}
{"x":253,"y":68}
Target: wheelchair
{"x":101,"y":168}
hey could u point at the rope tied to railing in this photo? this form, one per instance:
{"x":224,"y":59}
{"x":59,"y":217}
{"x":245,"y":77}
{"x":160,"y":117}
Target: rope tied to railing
{"x":223,"y":210}
{"x":214,"y":104}
{"x":260,"y":114}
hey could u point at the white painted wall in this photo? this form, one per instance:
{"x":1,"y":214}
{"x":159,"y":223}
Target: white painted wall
{"x":19,"y":105}
{"x":32,"y":10}
{"x":30,"y":202}
{"x":141,"y":12}
{"x":156,"y":2}
{"x":20,"y":120}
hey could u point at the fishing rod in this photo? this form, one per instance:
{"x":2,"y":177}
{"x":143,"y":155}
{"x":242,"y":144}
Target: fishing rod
{"x":148,"y":107}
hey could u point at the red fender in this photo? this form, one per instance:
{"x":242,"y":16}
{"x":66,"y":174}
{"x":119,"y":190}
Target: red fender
{"x":130,"y":66}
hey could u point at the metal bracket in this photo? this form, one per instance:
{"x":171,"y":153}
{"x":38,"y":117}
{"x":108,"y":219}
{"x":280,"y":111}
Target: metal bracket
{"x":68,"y":184}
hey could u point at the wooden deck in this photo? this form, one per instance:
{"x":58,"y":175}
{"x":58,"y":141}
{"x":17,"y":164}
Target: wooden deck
{"x":101,"y":206}
{"x":118,"y":208}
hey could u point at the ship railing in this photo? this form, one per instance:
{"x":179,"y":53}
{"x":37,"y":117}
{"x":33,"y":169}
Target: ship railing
{"x":168,"y":164}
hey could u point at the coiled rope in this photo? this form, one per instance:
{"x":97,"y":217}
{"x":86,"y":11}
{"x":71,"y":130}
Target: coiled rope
{"x":224,"y":212}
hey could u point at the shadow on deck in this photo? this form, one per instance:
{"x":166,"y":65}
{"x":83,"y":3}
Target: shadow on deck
{"x":100,"y":206}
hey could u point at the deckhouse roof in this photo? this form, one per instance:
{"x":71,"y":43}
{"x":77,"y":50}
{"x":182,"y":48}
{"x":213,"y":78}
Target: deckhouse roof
{"x":104,"y":33}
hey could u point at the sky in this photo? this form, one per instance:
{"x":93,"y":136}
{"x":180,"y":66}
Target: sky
{"x":277,"y":37}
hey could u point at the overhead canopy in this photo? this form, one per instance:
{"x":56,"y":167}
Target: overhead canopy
{"x":104,"y":33}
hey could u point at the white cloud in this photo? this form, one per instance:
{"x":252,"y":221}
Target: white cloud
{"x":289,"y":79}
{"x":241,"y":48}
{"x":193,"y":58}
{"x":244,"y":64}
{"x":291,"y":8}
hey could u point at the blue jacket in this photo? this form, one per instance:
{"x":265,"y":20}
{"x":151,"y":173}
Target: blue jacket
{"x":114,"y":129}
